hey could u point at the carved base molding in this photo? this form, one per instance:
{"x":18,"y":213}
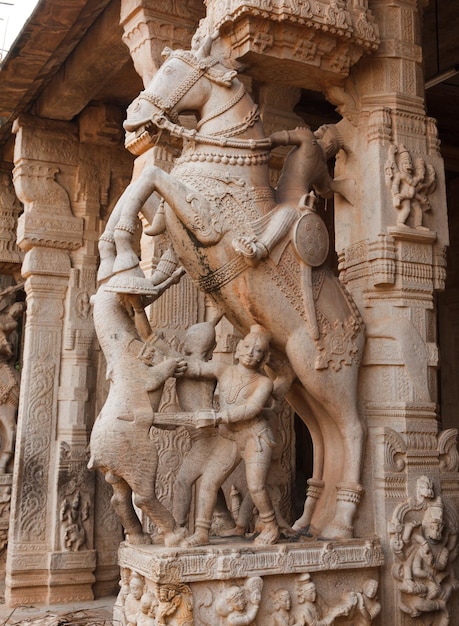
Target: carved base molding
{"x":202,"y":582}
{"x":51,"y":578}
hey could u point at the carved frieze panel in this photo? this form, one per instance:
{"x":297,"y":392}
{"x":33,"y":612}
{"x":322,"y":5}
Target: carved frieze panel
{"x":219,"y":563}
{"x":195,"y":596}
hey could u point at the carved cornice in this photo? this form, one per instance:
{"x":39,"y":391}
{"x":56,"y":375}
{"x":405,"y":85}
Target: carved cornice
{"x":150,"y":26}
{"x":224,"y":563}
{"x":319,"y":35}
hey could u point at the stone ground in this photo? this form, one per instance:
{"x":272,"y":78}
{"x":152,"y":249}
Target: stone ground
{"x":96,"y":613}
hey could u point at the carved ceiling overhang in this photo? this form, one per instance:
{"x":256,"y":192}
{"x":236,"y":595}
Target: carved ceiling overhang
{"x":300,"y":42}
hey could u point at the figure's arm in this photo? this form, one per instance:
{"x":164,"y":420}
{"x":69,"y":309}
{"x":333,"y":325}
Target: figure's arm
{"x":202,"y":369}
{"x":251,"y":406}
{"x":158,"y":374}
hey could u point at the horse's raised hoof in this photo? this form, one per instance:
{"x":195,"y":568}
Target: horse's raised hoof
{"x":139,"y":539}
{"x":136,"y":285}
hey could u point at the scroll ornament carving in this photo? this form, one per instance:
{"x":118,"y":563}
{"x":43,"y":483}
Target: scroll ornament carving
{"x":394,"y":451}
{"x":32,"y":519}
{"x":396,"y":447}
{"x":447,"y":447}
{"x":35,"y":184}
{"x":424,"y":532}
{"x":411,"y":184}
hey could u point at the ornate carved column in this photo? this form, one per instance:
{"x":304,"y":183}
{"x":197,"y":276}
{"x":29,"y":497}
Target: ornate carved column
{"x":64,"y":181}
{"x":391,"y":238}
{"x":47,"y":232}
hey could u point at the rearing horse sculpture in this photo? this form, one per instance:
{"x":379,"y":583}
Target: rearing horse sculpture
{"x":219,"y":213}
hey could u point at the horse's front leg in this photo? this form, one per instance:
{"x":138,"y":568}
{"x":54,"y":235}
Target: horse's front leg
{"x":191,"y":208}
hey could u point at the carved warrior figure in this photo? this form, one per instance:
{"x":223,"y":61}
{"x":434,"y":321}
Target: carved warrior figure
{"x":410,"y":185}
{"x":309,"y":613}
{"x":175,"y":605}
{"x":147,"y":614}
{"x":243,"y":433}
{"x":196,"y":395}
{"x":238,"y":605}
{"x":133,"y":598}
{"x":120,"y":444}
{"x":282,"y":603}
{"x":218,"y":193}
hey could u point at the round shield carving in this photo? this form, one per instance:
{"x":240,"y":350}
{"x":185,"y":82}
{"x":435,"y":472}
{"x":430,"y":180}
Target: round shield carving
{"x":310,"y":239}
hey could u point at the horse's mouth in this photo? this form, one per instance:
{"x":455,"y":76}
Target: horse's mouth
{"x":142,"y":139}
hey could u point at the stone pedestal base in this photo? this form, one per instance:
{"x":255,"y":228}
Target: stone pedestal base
{"x":239,"y":580}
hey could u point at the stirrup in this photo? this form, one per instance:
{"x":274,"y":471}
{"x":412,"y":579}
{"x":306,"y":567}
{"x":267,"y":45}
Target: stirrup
{"x":137,"y":285}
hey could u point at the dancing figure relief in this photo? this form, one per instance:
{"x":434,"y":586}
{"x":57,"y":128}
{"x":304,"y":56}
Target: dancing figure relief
{"x":235,"y":237}
{"x":424,"y":532}
{"x":411,"y":184}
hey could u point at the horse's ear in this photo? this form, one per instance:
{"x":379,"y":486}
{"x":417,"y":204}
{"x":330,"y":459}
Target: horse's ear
{"x":227,"y":78}
{"x":166,"y":52}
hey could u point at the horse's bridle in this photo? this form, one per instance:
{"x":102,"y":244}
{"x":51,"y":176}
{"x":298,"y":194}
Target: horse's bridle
{"x":168,"y":119}
{"x":199,"y":69}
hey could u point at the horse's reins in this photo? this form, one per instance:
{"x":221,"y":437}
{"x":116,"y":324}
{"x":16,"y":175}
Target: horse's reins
{"x":161,"y":121}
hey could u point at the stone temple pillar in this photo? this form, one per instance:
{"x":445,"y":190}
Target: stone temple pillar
{"x":48,"y":231}
{"x":391,"y":234}
{"x":65,"y":182}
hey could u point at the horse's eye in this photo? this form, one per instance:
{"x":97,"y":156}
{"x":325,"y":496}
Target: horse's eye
{"x":168,"y":70}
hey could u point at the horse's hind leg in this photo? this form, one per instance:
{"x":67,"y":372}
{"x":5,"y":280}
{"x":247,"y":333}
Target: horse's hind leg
{"x":122,"y":504}
{"x":315,"y":483}
{"x":343,"y":419}
{"x":145,"y":498}
{"x":334,"y":402}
